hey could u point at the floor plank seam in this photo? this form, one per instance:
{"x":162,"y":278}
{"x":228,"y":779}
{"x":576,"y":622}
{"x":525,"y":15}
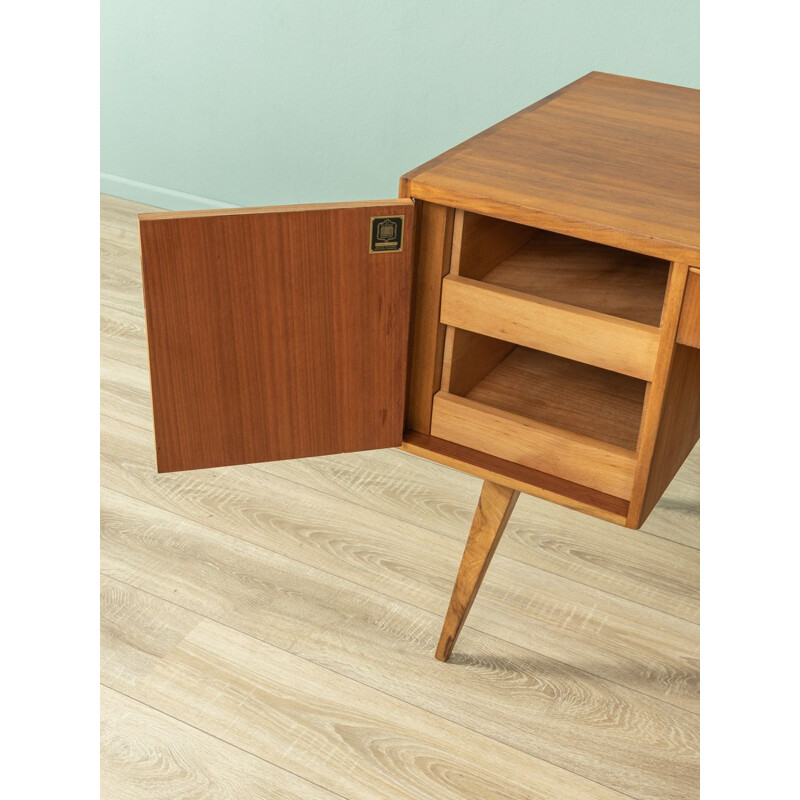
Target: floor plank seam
{"x":133,"y":366}
{"x":423,"y":527}
{"x":359,"y":683}
{"x":117,"y":227}
{"x":641,"y":530}
{"x":224,"y":741}
{"x":147,"y":634}
{"x":425,"y":611}
{"x":355,"y":504}
{"x":671,"y":541}
{"x":110,"y":307}
{"x":499,"y":555}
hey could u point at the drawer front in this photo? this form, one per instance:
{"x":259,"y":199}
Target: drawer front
{"x":689,"y":324}
{"x":605,"y":467}
{"x":588,"y":336}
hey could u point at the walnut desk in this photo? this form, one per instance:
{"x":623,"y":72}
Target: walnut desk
{"x":527,"y":311}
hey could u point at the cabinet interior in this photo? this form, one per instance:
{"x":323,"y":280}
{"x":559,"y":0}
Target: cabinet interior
{"x":542,"y":376}
{"x":561,"y":268}
{"x":597,"y":403}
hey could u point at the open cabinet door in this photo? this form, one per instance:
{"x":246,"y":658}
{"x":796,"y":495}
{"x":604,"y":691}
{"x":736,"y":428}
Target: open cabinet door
{"x":277,"y":333}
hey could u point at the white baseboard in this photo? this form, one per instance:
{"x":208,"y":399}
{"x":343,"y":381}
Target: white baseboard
{"x":155,"y":195}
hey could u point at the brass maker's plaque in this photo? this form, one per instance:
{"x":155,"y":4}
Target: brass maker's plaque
{"x":386,"y":234}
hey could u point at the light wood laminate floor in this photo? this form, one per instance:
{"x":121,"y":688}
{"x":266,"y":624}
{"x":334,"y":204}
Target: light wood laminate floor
{"x":268,"y":631}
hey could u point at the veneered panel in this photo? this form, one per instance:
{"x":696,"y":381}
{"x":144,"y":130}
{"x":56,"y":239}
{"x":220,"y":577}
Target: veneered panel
{"x":275,"y":333}
{"x":610,"y":159}
{"x":679,"y":427}
{"x":689,"y":323}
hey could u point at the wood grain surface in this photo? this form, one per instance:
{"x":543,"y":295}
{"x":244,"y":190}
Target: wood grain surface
{"x":569,"y":395}
{"x":149,"y":754}
{"x":610,"y":159}
{"x":443,"y":501}
{"x":129,"y":649}
{"x":524,"y":440}
{"x":689,"y":323}
{"x":679,"y":427}
{"x":481,"y":243}
{"x":564,"y":330}
{"x":365,"y":743}
{"x":545,"y":612}
{"x":655,"y":396}
{"x":543,"y":485}
{"x":434,"y":245}
{"x":585,"y":274}
{"x":223,"y":578}
{"x":580,"y":652}
{"x":274,"y":333}
{"x":491,"y":517}
{"x":469,"y":358}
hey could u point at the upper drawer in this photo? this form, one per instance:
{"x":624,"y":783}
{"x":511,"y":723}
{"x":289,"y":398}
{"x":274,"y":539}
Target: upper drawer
{"x":689,"y":324}
{"x":612,"y":343}
{"x":566,"y":296}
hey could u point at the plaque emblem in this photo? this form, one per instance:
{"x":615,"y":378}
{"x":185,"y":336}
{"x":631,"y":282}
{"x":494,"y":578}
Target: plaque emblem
{"x":386,"y":234}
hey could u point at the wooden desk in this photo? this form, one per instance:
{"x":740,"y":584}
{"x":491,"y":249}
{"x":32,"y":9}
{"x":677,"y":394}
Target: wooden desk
{"x":527,"y":311}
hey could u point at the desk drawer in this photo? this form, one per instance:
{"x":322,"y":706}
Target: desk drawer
{"x":605,"y":341}
{"x":513,"y":437}
{"x":548,"y":413}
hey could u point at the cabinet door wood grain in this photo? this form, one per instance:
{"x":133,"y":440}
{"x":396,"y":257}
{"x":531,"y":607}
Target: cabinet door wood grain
{"x":275,"y":333}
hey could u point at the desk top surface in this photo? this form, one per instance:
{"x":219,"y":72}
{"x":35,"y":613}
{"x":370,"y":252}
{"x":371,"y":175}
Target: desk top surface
{"x":607,"y":158}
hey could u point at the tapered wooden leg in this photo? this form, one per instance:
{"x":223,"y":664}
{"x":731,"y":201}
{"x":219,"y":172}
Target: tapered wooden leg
{"x":491,"y":516}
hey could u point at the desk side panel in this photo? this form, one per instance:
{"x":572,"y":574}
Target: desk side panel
{"x":433,"y":250}
{"x":679,"y":427}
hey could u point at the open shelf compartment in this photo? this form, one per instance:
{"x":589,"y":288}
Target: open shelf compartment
{"x":542,"y":411}
{"x":574,"y":298}
{"x":561,"y":268}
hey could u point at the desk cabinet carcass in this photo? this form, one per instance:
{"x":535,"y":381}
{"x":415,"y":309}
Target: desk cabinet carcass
{"x":526,"y":311}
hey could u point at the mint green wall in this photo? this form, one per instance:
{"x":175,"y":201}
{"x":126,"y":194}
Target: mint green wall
{"x":251,"y":102}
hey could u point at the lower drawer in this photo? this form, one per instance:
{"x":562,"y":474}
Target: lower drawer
{"x":572,"y":456}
